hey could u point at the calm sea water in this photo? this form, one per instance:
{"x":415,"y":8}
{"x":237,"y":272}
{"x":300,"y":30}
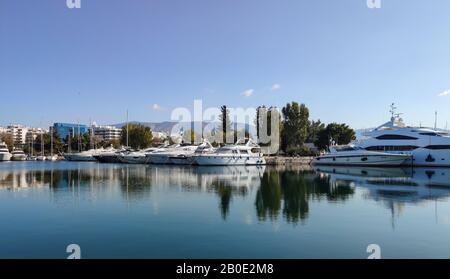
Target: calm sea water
{"x":131,"y":211}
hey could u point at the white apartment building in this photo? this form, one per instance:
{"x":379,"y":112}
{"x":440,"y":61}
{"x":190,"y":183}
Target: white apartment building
{"x":107,"y":132}
{"x":21,"y":134}
{"x":18,"y":133}
{"x":32,"y":133}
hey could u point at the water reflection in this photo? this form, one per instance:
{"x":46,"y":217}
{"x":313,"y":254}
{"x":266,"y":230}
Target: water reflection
{"x":276,"y":193}
{"x":291,"y":191}
{"x":394,"y":187}
{"x":404,"y":185}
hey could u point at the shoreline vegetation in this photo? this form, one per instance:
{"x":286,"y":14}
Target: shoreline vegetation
{"x":299,"y":136}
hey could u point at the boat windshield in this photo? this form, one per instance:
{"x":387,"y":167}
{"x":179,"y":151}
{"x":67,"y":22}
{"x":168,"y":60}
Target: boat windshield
{"x":347,"y":148}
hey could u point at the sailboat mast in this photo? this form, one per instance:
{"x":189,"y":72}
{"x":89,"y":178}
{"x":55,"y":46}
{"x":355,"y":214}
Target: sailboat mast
{"x":127,"y":129}
{"x":79,"y":138}
{"x":51,"y":141}
{"x":42,"y":143}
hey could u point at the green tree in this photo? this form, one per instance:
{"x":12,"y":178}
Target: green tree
{"x":8,"y":140}
{"x":139,"y":136}
{"x":314,"y":129}
{"x":339,"y":133}
{"x":295,"y":125}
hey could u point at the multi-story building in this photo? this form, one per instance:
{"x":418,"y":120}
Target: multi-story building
{"x":3,"y":130}
{"x":65,"y":129}
{"x":18,"y":133}
{"x":32,"y":133}
{"x":107,"y":132}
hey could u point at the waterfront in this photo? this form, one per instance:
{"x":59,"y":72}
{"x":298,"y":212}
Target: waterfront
{"x":148,"y":211}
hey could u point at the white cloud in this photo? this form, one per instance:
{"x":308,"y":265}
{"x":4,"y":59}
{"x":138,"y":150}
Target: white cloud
{"x":445,"y":93}
{"x":248,"y":92}
{"x":275,"y":87}
{"x":156,"y":107}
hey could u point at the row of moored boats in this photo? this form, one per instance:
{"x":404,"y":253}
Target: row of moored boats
{"x":240,"y":153}
{"x":18,"y":155}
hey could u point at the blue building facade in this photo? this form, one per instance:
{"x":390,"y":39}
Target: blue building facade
{"x":66,"y":129}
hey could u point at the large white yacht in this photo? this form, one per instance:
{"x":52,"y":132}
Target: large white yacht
{"x":4,"y":152}
{"x":350,"y":155}
{"x":240,"y":153}
{"x":427,"y":146}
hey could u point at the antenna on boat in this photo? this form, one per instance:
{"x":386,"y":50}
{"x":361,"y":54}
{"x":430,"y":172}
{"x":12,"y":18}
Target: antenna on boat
{"x":392,"y":111}
{"x":435,"y":120}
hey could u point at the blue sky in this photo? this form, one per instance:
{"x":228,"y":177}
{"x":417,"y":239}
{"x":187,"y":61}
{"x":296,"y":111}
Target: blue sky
{"x":346,"y":62}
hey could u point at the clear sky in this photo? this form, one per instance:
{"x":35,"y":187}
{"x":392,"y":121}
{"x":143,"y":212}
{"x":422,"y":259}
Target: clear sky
{"x":346,"y":62}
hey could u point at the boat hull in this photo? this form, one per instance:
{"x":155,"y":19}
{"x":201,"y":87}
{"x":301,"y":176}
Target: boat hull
{"x":77,"y":158}
{"x":181,"y":160}
{"x":133,"y":159}
{"x":18,"y":158}
{"x":159,"y":159}
{"x":113,"y":159}
{"x":228,"y":161}
{"x":363,"y":160}
{"x":5,"y":157}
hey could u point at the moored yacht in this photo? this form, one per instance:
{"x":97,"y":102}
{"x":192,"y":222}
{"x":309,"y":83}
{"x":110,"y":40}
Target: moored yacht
{"x":240,"y":153}
{"x":136,"y":157}
{"x":350,"y":155}
{"x":427,"y":146}
{"x":4,"y":152}
{"x":111,"y":156}
{"x":163,"y":155}
{"x":18,"y":155}
{"x":186,"y":158}
{"x":86,"y":156}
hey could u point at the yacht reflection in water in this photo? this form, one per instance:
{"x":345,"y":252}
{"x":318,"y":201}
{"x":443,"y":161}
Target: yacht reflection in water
{"x":274,"y":193}
{"x":406,"y":185}
{"x":394,"y":187}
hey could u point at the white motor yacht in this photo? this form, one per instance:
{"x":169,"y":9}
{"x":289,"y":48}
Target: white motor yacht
{"x":136,"y":157}
{"x":188,"y":159}
{"x":41,"y":158}
{"x":163,"y":155}
{"x":51,"y":158}
{"x":350,"y":155}
{"x":4,"y":152}
{"x":427,"y":146}
{"x":86,"y":156}
{"x":240,"y":153}
{"x":18,"y":155}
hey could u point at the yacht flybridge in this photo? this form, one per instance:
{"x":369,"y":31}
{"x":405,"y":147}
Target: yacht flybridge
{"x":427,"y":146}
